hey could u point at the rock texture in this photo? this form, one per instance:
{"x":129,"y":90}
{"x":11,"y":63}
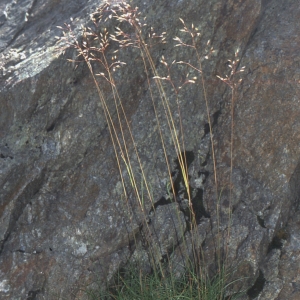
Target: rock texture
{"x":64,"y":217}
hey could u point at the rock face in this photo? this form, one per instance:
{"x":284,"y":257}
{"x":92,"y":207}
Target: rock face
{"x":65,"y":217}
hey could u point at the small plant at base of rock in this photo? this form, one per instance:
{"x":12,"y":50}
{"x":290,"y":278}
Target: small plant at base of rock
{"x":132,"y":284}
{"x":194,"y":283}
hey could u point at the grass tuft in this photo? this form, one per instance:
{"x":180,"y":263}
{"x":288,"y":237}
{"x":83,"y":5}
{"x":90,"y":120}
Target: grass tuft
{"x":119,"y":28}
{"x":134,"y":285}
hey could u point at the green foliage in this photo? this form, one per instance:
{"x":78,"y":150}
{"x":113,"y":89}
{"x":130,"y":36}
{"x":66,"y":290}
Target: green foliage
{"x":133,"y":285}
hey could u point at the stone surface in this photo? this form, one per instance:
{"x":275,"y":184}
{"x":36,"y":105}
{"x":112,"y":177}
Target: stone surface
{"x":65,"y":217}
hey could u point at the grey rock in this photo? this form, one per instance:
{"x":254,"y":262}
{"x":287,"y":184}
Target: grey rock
{"x":66,"y":219}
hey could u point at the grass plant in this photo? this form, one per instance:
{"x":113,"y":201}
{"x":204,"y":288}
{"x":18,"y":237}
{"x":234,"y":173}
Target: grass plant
{"x":134,"y":286}
{"x":95,"y":48}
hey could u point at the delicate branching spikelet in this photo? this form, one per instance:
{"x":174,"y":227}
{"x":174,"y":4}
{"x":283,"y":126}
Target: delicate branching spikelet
{"x":233,"y":65}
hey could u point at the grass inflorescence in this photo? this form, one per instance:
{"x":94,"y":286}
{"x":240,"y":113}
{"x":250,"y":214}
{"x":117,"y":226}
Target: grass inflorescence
{"x":99,"y":47}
